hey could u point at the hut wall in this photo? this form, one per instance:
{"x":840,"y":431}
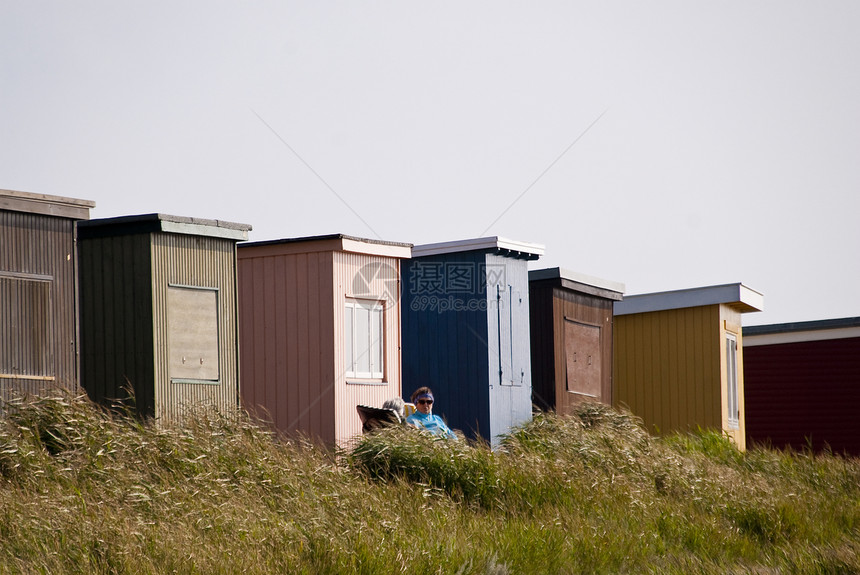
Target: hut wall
{"x":730,"y":325}
{"x":189,"y":262}
{"x":667,"y":367}
{"x":543,"y":345}
{"x":361,"y":277}
{"x":38,"y":334}
{"x":804,"y":393}
{"x":574,"y":313}
{"x":509,"y":350}
{"x":116,"y":319}
{"x":287,"y":339}
{"x":445,"y":336}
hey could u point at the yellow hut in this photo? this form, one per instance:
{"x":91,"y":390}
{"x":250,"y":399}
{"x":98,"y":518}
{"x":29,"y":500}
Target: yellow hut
{"x":678,"y":359}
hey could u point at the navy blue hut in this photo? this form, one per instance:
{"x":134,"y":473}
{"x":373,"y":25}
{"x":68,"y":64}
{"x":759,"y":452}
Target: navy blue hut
{"x":465,"y":317}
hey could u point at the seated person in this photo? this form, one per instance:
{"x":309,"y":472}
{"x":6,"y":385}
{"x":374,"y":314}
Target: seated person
{"x":423,"y":418}
{"x":397,"y":405}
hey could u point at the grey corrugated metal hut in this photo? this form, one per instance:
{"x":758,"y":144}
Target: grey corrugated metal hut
{"x":159,"y":312}
{"x":38,"y":309}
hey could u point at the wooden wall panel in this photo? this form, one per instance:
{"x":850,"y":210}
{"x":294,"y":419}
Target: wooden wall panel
{"x":668,"y":368}
{"x":287,"y":344}
{"x":804,"y":394}
{"x":374,"y":278}
{"x":445,"y":339}
{"x":510,"y":401}
{"x":543,"y":350}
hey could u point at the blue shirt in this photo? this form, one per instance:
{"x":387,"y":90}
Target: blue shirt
{"x":432,"y":423}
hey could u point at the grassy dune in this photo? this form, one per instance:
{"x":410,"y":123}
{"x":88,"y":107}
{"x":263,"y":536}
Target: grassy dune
{"x":83,"y":490}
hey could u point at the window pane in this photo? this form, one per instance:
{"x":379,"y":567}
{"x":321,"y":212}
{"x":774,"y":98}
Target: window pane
{"x":362,"y":341}
{"x":732,"y":381}
{"x":348,"y":331}
{"x":376,"y":342}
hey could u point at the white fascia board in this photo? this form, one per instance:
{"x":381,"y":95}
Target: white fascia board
{"x":565,"y":274}
{"x":800,"y":336}
{"x":488,"y":243}
{"x":736,"y":295}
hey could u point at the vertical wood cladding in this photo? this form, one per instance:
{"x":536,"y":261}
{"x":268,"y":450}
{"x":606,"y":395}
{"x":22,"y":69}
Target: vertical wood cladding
{"x":38,"y":334}
{"x":446,"y":341}
{"x":554,"y":310}
{"x":667,"y":368}
{"x":292,"y":298}
{"x":286,"y":340}
{"x":804,"y":394}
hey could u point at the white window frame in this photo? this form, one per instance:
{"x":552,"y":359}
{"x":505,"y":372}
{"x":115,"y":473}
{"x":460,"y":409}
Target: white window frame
{"x":732,"y":394}
{"x":369,"y":346}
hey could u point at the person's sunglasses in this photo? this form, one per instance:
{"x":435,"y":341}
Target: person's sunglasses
{"x":425,"y":402}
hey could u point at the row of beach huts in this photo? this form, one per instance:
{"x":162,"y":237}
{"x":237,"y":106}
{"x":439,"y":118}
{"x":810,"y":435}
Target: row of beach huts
{"x":300,"y":331}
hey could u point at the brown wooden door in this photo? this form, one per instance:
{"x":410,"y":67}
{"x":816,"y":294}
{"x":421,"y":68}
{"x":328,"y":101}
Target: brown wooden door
{"x":582,"y":356}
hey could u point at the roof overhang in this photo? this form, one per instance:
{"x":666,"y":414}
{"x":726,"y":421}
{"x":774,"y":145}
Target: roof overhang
{"x":578,"y":282}
{"x":149,"y":223}
{"x":804,"y":331}
{"x":503,"y":246}
{"x":737,"y":296}
{"x":46,"y":205}
{"x":330,"y":242}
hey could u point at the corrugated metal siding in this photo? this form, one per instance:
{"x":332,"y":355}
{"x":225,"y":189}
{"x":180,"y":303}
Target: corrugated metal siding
{"x":116,"y":319}
{"x":804,"y":393}
{"x":287,"y":340}
{"x":445,"y":349}
{"x":510,"y":400}
{"x":374,"y":278}
{"x":667,"y":367}
{"x":202,"y":262}
{"x":41,"y":249}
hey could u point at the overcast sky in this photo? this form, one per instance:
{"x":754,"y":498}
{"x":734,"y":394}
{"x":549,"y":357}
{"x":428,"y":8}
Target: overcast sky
{"x":665,"y":145}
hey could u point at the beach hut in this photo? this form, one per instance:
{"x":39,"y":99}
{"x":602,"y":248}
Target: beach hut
{"x":320,"y":331}
{"x":466,"y":331}
{"x":802,"y":383}
{"x":159,"y":312}
{"x":678,"y":358}
{"x":571,"y":338}
{"x":38,"y":301}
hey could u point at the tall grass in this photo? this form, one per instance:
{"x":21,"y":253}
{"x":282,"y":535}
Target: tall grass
{"x":87,"y":490}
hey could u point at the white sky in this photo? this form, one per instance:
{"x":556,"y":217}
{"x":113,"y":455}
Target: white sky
{"x":723,"y":144}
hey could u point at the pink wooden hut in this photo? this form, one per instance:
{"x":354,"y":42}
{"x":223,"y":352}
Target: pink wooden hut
{"x":319,"y":331}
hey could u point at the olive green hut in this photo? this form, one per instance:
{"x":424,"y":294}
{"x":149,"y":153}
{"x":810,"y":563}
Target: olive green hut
{"x":159,"y":312}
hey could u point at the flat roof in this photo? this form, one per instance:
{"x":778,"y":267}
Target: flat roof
{"x":46,"y":205}
{"x":580,"y":282}
{"x":736,"y":295}
{"x":507,"y":246}
{"x":818,"y":330}
{"x":148,"y":223}
{"x":332,"y":242}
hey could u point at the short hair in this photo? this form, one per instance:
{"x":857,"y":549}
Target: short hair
{"x":396,"y":404}
{"x":420,"y":391}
